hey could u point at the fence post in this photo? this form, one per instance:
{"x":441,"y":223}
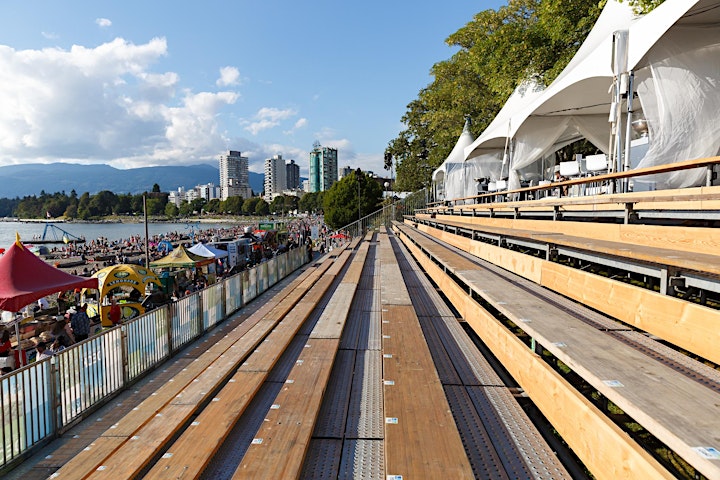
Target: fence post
{"x":124,"y":354}
{"x":55,"y":396}
{"x":168,"y":327}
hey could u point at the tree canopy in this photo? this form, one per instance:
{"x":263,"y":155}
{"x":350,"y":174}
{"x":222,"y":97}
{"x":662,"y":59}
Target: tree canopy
{"x":497,"y":51}
{"x":340,"y":202}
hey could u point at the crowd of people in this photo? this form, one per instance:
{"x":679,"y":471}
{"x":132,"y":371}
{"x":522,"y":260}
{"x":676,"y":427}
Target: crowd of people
{"x":68,"y":322}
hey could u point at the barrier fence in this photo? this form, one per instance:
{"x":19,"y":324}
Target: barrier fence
{"x":40,"y":401}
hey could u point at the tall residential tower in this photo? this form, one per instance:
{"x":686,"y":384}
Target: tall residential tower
{"x":275,"y":177}
{"x":323,"y":167}
{"x":234,"y":179}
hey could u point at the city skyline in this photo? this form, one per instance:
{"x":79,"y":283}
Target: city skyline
{"x":136,"y":84}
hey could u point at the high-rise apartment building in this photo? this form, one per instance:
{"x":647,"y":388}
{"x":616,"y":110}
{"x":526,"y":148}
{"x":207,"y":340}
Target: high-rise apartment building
{"x":292,"y":173}
{"x":275,"y":177}
{"x":234,"y":179}
{"x":323,"y":167}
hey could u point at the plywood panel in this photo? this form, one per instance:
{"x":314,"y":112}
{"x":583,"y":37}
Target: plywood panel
{"x":687,"y":325}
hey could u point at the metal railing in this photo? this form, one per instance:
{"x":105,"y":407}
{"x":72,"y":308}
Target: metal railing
{"x":390,"y":212}
{"x":42,"y":400}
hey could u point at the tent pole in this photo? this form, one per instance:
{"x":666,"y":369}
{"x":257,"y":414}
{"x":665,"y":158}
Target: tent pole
{"x":628,"y":127}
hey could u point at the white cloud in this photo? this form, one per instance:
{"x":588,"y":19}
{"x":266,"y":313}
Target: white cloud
{"x":50,"y":35}
{"x":301,"y":123}
{"x":269,"y":117}
{"x":104,"y":104}
{"x":103,"y":22}
{"x":228,"y":76}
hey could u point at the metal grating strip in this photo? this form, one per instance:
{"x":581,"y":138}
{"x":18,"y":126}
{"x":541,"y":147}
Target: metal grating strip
{"x":444,"y":365}
{"x":351,"y":332}
{"x":370,"y":331}
{"x":333,"y":411}
{"x":368,"y":300}
{"x":478,"y":444}
{"x":285,"y":363}
{"x":365,"y":412}
{"x":531,"y":446}
{"x":502,"y":441}
{"x":362,"y":460}
{"x":481,"y":368}
{"x":231,"y":452}
{"x":322,"y":460}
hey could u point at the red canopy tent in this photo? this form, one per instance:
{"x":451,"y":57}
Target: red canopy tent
{"x":24,"y":278}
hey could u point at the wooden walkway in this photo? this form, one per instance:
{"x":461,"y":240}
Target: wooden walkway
{"x":353,"y":369}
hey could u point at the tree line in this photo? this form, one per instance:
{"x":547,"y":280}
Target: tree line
{"x":498,"y":50}
{"x":106,"y":203}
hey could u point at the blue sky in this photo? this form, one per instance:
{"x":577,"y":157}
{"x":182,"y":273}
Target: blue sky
{"x":175,"y":83}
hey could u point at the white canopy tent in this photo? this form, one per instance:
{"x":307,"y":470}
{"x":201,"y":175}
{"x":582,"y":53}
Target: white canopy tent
{"x":207,"y":251}
{"x":450,"y":179}
{"x":675,"y":59}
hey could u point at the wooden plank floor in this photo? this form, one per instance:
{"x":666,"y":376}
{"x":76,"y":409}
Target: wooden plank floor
{"x":421,"y":438}
{"x":688,"y":417}
{"x":189,"y":381}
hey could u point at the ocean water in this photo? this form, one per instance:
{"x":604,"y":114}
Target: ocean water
{"x":111,"y":231}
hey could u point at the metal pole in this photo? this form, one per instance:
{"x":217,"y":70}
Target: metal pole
{"x":628,"y":129}
{"x":147,"y":240}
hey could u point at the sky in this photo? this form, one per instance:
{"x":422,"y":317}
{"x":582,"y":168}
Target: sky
{"x":144,"y":83}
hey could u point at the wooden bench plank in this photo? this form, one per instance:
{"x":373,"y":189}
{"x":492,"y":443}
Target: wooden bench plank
{"x":282,"y":441}
{"x":645,"y":309}
{"x":191,"y":453}
{"x":606,"y":450}
{"x":146,"y":411}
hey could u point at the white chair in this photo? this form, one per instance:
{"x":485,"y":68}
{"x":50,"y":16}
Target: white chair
{"x":570,"y":169}
{"x":501,"y":185}
{"x":596,"y":164}
{"x":543,"y":193}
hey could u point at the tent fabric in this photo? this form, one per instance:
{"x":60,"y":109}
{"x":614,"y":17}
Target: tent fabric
{"x":127,"y":275}
{"x":207,"y":251}
{"x":180,"y":258}
{"x":678,"y":93}
{"x":450,"y":178}
{"x":25,"y":278}
{"x":676,"y":77}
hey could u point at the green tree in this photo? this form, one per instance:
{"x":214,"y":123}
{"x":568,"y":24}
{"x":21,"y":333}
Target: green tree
{"x":233,"y":205}
{"x":643,"y":6}
{"x":171,"y":210}
{"x":311,"y":202}
{"x":124,"y":204}
{"x":261,"y":207}
{"x":213,"y":206}
{"x":185,"y":209}
{"x":156,"y":188}
{"x":341,"y":203}
{"x":498,"y":50}
{"x":248,"y":207}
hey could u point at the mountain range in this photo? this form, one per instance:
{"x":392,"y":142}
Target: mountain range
{"x":32,"y":179}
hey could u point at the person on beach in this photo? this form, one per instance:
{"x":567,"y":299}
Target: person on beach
{"x":115,"y":314}
{"x":80,"y":323}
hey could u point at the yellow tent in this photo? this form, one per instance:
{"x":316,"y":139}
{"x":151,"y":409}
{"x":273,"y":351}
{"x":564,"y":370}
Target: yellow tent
{"x":133,"y":277}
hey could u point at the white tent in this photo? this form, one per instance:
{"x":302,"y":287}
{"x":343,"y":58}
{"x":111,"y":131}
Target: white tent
{"x":450,"y":179}
{"x":207,"y":251}
{"x":576,"y":105}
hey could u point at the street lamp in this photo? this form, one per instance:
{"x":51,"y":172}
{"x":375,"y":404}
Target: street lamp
{"x":359,"y":175}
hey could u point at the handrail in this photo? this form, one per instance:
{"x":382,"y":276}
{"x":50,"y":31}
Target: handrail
{"x":607,"y":177}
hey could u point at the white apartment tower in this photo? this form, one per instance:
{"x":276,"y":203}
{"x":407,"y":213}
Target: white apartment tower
{"x":275,"y":177}
{"x":234,"y":179}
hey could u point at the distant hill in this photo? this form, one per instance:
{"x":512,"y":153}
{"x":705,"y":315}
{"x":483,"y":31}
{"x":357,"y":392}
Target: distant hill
{"x":31,"y":179}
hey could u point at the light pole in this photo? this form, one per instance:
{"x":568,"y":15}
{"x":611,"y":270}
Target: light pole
{"x":359,"y":175}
